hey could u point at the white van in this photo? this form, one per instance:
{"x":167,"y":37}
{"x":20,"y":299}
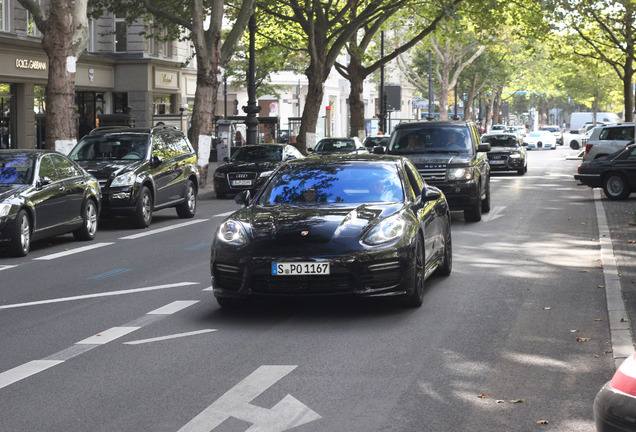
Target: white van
{"x":578,"y":119}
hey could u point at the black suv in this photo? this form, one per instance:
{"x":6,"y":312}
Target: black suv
{"x":450,"y":156}
{"x":141,"y":170}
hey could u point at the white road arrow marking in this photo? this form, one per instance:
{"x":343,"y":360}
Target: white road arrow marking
{"x":286,"y":414}
{"x":493,"y":214}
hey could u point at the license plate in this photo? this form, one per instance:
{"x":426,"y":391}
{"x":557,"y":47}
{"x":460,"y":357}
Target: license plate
{"x":497,"y":162}
{"x":241,"y":182}
{"x":300,"y":268}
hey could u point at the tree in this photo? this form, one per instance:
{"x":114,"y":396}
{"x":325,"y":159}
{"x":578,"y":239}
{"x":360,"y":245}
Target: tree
{"x":321,"y":28}
{"x":64,"y":28}
{"x":358,"y":46}
{"x":608,"y":29}
{"x":213,"y":50}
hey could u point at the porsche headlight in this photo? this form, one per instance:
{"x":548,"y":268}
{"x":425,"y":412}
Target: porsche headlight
{"x":4,"y":209}
{"x":386,"y":231}
{"x":127,"y":179}
{"x":232,"y":232}
{"x":461,"y":173}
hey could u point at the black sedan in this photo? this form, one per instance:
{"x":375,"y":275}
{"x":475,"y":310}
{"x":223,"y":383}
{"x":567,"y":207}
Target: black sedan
{"x":44,"y":194}
{"x":365,"y":225}
{"x":615,"y":403}
{"x":242,"y":171}
{"x":506,"y":153}
{"x":339,"y":146}
{"x":615,"y":173}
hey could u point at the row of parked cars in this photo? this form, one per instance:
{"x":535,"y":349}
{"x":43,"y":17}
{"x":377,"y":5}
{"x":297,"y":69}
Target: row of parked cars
{"x":110,"y":172}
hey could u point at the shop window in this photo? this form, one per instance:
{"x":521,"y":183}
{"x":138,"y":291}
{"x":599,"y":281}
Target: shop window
{"x":162,"y":104}
{"x":120,"y":103}
{"x":121,"y":33}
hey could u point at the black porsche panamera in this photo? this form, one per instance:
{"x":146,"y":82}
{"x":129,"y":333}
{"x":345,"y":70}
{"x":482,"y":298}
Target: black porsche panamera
{"x":365,"y":225}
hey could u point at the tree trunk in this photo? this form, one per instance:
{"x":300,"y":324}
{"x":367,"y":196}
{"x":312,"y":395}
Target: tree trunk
{"x":309,"y":120}
{"x":356,"y":104}
{"x":627,"y":90}
{"x":203,"y":116}
{"x":57,"y":42}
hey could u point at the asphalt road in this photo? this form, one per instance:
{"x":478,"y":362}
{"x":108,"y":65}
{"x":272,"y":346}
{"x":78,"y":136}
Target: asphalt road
{"x":125,"y":335}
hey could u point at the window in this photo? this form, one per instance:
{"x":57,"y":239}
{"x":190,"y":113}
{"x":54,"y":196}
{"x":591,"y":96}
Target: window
{"x":92,"y":36}
{"x":4,"y":15}
{"x":121,"y":32}
{"x":32,"y":29}
{"x":65,"y":168}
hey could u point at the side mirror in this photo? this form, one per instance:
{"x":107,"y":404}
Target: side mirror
{"x":243,"y":198}
{"x":430,"y":194}
{"x":155,"y":161}
{"x":44,"y":180}
{"x":379,"y":150}
{"x":310,"y":150}
{"x":290,"y":157}
{"x":226,"y":159}
{"x":483,"y":148}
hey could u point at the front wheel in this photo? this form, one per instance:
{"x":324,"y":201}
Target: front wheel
{"x":447,"y":266}
{"x":143,"y":213}
{"x":416,"y":297}
{"x":485,"y":204}
{"x":473,"y":214}
{"x":574,"y":145}
{"x":89,"y":222}
{"x":21,"y":243}
{"x":188,"y":208}
{"x":616,"y":187}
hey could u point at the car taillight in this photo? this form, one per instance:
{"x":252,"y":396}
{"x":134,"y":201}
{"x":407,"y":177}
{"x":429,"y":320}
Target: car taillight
{"x":624,"y":379}
{"x":578,"y":170}
{"x":588,"y":148}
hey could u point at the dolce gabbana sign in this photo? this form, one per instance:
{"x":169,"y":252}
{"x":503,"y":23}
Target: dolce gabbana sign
{"x":166,"y":79}
{"x":23,"y":63}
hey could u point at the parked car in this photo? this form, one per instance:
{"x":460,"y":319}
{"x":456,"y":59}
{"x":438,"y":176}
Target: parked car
{"x":615,"y":403}
{"x":506,"y":152}
{"x":450,"y":156}
{"x":357,"y":224}
{"x":141,"y":171}
{"x":608,"y":139}
{"x":519,"y":131}
{"x":374,"y":141}
{"x":498,"y":128}
{"x":540,"y":139}
{"x":579,"y":140}
{"x":248,"y":164}
{"x":615,"y":173}
{"x":338,"y":145}
{"x":556,"y":131}
{"x":44,"y":194}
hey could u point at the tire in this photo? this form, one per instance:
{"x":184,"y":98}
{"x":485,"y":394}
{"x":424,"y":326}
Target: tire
{"x":485,"y":203}
{"x":232,"y":303}
{"x":88,"y":230}
{"x":521,"y":171}
{"x":447,"y":266}
{"x":21,"y":243}
{"x":188,"y":208}
{"x":415,"y":298}
{"x":574,"y":145}
{"x":473,"y":214}
{"x":616,"y":187}
{"x":143,"y":213}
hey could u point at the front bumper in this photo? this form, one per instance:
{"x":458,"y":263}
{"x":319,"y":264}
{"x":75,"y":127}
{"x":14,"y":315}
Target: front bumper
{"x":460,"y":196}
{"x":384,"y":272}
{"x":119,"y":201}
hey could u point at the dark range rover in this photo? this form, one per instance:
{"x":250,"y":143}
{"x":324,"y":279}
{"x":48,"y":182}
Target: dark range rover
{"x":141,"y":170}
{"x":450,"y":156}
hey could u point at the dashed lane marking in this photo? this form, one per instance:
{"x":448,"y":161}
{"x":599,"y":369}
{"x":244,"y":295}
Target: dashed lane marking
{"x":160,"y":230}
{"x":95,"y":295}
{"x":72,"y":251}
{"x":174,"y":336}
{"x":34,"y":367}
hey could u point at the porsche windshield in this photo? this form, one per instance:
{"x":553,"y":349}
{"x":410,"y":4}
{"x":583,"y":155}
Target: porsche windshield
{"x":334,"y":183}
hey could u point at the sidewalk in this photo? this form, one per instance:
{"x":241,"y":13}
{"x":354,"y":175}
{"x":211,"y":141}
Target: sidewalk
{"x":621,"y":223}
{"x":207,"y":192}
